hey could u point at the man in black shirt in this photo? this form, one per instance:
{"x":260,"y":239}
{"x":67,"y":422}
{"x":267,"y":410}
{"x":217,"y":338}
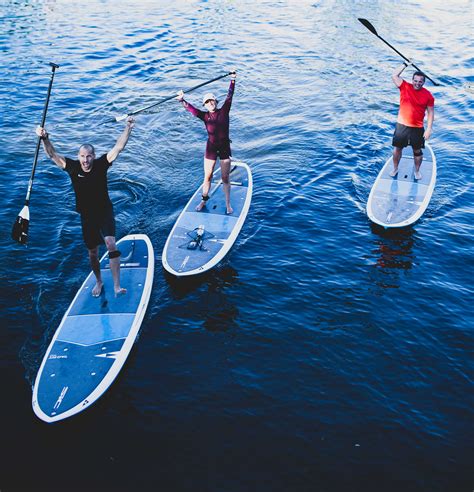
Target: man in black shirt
{"x":89,"y":180}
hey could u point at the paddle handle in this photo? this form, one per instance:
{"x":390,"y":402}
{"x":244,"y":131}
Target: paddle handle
{"x":38,"y":143}
{"x":138,"y":111}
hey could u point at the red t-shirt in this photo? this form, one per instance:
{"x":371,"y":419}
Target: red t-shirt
{"x":413,"y":105}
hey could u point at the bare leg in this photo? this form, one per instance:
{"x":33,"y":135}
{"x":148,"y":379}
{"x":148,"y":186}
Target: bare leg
{"x":114,"y":265}
{"x":225,"y":171}
{"x":206,"y":185}
{"x":95,"y":265}
{"x":418,"y":158}
{"x":397,"y":155}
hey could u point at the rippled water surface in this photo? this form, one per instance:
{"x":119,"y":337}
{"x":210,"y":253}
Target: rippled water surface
{"x":324,"y":354}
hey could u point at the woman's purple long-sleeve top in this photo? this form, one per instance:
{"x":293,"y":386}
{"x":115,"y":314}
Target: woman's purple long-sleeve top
{"x":217,"y":123}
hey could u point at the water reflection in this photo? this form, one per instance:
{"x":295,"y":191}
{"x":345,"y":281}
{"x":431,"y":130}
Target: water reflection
{"x":394,"y":247}
{"x":393,"y":255}
{"x":216,"y":279}
{"x":211,"y":293}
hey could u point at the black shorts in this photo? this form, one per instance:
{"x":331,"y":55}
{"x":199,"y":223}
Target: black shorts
{"x":408,"y":135}
{"x":95,"y":228}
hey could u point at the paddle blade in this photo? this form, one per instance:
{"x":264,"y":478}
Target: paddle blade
{"x":115,"y":119}
{"x":368,"y":25}
{"x":20,"y":227}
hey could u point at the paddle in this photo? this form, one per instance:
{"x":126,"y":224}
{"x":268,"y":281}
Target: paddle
{"x":133,"y":113}
{"x":20,"y":227}
{"x":372,"y":29}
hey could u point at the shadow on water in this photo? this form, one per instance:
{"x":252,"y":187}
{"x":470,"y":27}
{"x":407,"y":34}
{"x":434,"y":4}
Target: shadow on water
{"x":210,"y":291}
{"x":216,"y":280}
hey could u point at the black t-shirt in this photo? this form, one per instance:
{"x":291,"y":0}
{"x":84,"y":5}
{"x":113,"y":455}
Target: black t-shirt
{"x":92,"y":195}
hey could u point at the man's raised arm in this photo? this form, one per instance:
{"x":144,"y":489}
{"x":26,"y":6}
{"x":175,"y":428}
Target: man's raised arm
{"x":59,"y":160}
{"x":122,"y":141}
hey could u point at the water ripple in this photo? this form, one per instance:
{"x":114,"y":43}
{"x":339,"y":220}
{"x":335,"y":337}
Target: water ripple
{"x":322,"y":339}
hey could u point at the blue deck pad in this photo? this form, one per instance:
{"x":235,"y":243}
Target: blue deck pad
{"x":134,"y":255}
{"x":411,"y":189}
{"x":406,"y":170}
{"x":212,"y":222}
{"x":216,"y":204}
{"x":131,"y":279}
{"x":72,"y":372}
{"x":394,"y":209}
{"x":95,"y":328}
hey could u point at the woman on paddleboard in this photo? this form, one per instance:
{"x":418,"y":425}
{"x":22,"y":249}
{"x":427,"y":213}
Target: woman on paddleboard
{"x":218,"y":142}
{"x":89,"y":180}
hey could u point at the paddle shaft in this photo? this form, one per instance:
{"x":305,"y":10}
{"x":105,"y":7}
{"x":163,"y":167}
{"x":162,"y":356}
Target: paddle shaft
{"x":138,"y":111}
{"x":38,"y":143}
{"x":372,"y":29}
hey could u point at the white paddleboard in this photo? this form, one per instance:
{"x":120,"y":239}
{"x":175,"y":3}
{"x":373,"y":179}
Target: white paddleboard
{"x":402,"y":200}
{"x":200,"y":240}
{"x":96,"y":335}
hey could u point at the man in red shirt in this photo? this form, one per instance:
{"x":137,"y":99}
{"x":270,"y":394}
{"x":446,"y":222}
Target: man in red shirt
{"x":415,"y":101}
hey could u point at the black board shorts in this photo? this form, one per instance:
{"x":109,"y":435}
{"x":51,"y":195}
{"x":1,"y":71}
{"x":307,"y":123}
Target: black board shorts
{"x":96,"y":227}
{"x":408,"y":135}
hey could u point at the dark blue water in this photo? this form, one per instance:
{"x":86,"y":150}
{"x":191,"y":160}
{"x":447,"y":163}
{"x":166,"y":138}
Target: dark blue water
{"x":324,"y":354}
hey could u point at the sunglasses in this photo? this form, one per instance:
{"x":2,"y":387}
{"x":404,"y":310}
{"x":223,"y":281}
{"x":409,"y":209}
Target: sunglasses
{"x":209,"y":100}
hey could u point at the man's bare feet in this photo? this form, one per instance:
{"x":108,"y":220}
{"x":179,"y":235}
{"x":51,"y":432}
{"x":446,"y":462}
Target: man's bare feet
{"x":417,"y":175}
{"x":97,"y":290}
{"x":393,"y":172}
{"x":120,"y":292}
{"x":229,"y":210}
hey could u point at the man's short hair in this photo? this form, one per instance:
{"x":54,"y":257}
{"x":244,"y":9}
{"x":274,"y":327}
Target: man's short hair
{"x":88,"y":147}
{"x":421,"y":74}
